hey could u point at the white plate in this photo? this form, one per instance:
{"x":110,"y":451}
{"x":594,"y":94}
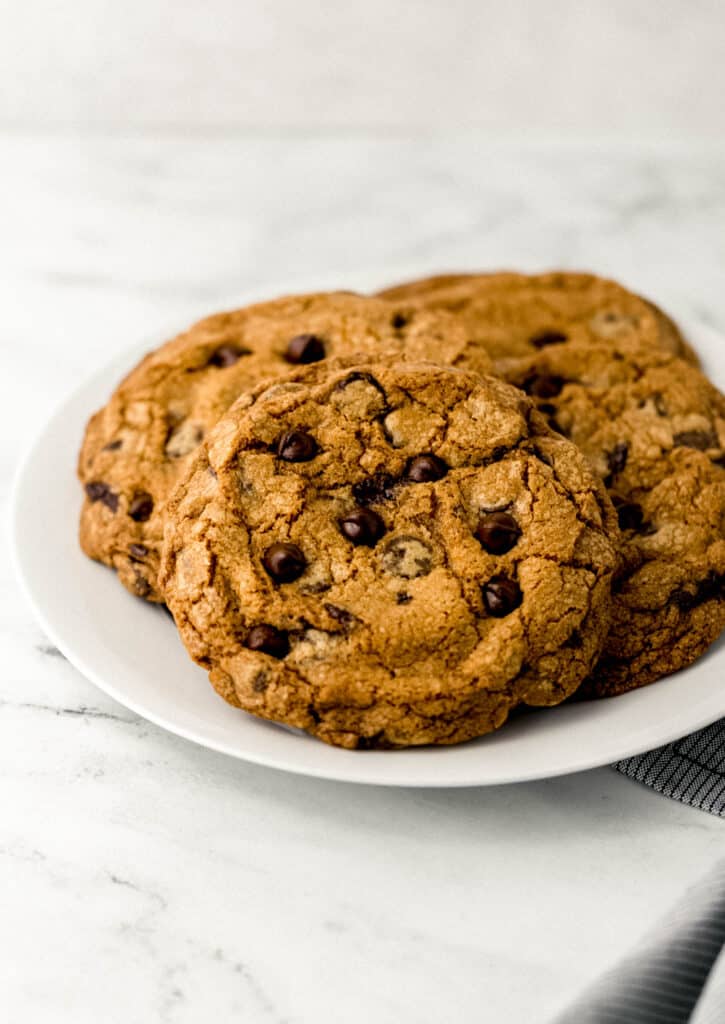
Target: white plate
{"x":132,"y":652}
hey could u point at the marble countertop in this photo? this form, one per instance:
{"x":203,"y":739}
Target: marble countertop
{"x":146,"y":879}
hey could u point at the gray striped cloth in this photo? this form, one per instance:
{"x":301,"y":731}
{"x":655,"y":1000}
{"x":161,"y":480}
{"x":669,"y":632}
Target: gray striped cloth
{"x":676,"y":975}
{"x":691,"y":770}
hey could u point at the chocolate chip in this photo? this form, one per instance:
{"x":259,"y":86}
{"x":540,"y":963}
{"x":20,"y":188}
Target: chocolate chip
{"x":268,"y":640}
{"x":399,"y":321}
{"x":363,"y":526}
{"x":501,"y":596}
{"x":547,"y":408}
{"x":544,"y":385}
{"x":700,"y":439}
{"x":617,"y":458}
{"x":341,"y":615}
{"x":98,"y":491}
{"x":260,"y":682}
{"x":296,"y":446}
{"x":547,"y":338}
{"x":228,"y":355}
{"x":142,"y":586}
{"x":402,"y":598}
{"x":305,"y":348}
{"x":141,"y":507}
{"x":113,"y":446}
{"x":284,"y":562}
{"x":138,"y":551}
{"x":629,"y":514}
{"x":711,"y":588}
{"x":498,"y":532}
{"x":374,"y":488}
{"x":424,"y":469}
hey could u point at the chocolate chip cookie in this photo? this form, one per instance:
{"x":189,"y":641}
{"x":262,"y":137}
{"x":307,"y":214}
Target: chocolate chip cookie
{"x":141,"y":442}
{"x":389,"y":554}
{"x":654,"y":428}
{"x":514,"y":315}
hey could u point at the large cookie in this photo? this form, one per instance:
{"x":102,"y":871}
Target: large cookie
{"x":654,"y":428}
{"x":513,"y":316}
{"x":390,"y":555}
{"x":141,"y":442}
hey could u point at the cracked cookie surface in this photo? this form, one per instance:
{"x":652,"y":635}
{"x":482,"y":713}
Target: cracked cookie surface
{"x":387,"y":555}
{"x":653,"y":427}
{"x":139,"y":445}
{"x":515,"y":315}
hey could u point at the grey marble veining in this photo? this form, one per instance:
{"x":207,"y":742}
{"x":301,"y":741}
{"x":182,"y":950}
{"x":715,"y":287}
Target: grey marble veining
{"x":146,"y":879}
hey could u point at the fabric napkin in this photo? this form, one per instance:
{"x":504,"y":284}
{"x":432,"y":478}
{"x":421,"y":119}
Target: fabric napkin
{"x":691,"y":770}
{"x":676,"y":975}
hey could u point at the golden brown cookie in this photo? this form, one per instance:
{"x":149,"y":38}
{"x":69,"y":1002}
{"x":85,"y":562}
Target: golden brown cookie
{"x":654,"y":428}
{"x":388,"y":555}
{"x":141,"y":442}
{"x":513,"y":316}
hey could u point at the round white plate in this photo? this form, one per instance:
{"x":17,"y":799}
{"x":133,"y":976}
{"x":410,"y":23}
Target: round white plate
{"x":131,"y":650}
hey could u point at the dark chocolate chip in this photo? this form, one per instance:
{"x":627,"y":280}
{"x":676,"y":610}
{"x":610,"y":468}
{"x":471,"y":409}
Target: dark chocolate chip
{"x":402,"y":598}
{"x":138,"y":551}
{"x":113,"y":446}
{"x":228,"y":355}
{"x":617,"y":458}
{"x":98,"y":491}
{"x":424,"y":469}
{"x":141,"y":507}
{"x":547,"y":338}
{"x":341,"y":615}
{"x":284,"y":562}
{"x":498,"y":532}
{"x":544,"y":385}
{"x":296,"y":446}
{"x":700,"y":439}
{"x":268,"y":640}
{"x":711,"y":588}
{"x":629,"y":514}
{"x":546,"y":408}
{"x":142,"y":586}
{"x":501,"y":596}
{"x":363,"y":526}
{"x":260,"y":682}
{"x":374,"y":488}
{"x":399,"y":321}
{"x":305,"y":348}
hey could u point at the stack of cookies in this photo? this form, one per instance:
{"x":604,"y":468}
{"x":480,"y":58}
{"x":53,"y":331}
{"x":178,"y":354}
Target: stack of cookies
{"x":390,"y":521}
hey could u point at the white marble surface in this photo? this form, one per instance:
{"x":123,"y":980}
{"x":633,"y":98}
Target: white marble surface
{"x":144,"y":879}
{"x":615,"y":67}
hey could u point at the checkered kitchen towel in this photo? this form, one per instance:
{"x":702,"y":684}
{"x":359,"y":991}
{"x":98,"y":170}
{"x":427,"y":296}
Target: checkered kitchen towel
{"x":675,"y":975}
{"x":691,"y":770}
